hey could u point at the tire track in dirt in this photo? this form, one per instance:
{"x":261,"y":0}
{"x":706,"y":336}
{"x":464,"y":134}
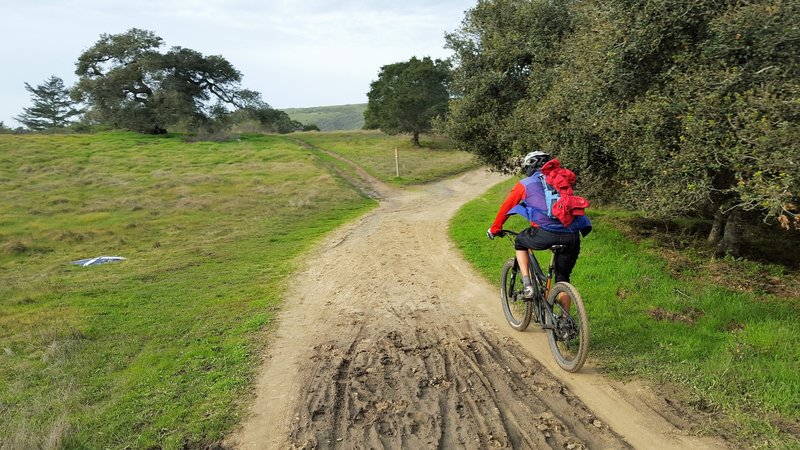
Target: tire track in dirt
{"x":389,"y":340}
{"x":439,"y":387}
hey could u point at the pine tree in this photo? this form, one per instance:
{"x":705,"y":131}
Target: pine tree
{"x":52,"y":106}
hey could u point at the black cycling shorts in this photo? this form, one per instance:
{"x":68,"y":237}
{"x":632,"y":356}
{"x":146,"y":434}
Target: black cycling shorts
{"x":539,"y":239}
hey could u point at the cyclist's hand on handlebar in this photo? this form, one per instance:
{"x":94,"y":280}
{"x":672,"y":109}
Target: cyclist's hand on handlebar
{"x":490,"y":235}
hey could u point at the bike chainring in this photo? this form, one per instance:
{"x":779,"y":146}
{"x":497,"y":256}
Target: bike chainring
{"x":565,"y":328}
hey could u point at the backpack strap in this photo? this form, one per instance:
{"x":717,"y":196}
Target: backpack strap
{"x":551,"y":196}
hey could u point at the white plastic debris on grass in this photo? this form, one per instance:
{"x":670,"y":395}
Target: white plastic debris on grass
{"x":98,"y":260}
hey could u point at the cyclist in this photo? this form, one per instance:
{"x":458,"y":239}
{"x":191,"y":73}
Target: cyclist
{"x":527,"y":198}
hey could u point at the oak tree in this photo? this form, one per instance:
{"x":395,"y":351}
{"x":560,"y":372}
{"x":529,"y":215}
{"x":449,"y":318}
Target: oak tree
{"x":674,"y":108}
{"x":407,"y":96}
{"x":129,"y":83}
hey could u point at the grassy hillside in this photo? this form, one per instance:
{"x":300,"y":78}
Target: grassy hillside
{"x":375,"y":152}
{"x":158,"y":350}
{"x":730,"y":346}
{"x":330,"y":118}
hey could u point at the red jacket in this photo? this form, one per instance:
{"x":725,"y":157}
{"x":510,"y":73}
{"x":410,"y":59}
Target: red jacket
{"x":515,"y":197}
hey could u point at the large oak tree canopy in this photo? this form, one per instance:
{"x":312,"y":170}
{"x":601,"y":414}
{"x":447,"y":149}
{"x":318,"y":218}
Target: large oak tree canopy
{"x":128,"y":83}
{"x":407,"y":96}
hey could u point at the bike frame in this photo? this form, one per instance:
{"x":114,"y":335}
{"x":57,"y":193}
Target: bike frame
{"x":543,"y":283}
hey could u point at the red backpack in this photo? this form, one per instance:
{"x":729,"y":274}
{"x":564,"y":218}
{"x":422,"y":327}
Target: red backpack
{"x":562,"y":203}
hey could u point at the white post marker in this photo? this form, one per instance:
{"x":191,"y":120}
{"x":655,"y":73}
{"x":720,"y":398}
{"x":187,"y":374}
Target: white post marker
{"x":397,"y":162}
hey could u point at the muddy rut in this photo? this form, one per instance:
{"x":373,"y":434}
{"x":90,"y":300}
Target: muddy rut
{"x":389,"y":339}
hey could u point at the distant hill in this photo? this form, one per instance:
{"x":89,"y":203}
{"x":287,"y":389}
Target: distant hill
{"x":329,"y":118}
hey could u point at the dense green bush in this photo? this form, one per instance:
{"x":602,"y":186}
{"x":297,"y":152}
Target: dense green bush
{"x":504,"y":53}
{"x":675,"y":108}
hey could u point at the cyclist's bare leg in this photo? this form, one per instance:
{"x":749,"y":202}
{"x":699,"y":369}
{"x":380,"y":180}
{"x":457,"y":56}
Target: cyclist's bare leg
{"x":523,"y":259}
{"x":565,"y":302}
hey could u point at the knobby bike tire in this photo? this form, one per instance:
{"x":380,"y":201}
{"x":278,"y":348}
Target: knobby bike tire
{"x":517,"y":311}
{"x":571,"y":353}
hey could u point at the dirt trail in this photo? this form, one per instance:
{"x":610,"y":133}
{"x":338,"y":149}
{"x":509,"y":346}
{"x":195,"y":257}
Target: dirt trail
{"x":390,"y":340}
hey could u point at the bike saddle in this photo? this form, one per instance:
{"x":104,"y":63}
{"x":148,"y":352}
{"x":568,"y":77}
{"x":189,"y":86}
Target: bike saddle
{"x":557,"y":247}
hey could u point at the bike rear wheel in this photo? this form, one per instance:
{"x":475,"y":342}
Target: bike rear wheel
{"x":516,"y":309}
{"x":568,"y":337}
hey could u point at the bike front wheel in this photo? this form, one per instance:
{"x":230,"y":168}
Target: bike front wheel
{"x":567,"y":327}
{"x":516,"y":309}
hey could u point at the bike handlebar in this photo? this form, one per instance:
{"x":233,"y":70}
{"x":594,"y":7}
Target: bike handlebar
{"x":502,"y":233}
{"x":505,"y":232}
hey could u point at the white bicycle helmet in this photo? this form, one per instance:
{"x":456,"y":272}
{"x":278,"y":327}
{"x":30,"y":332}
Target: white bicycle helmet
{"x":534,"y":160}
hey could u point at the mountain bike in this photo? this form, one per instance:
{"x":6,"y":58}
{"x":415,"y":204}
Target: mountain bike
{"x":566,"y":323}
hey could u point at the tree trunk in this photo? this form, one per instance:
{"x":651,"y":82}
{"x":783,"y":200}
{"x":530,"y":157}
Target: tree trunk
{"x":731,"y":243}
{"x":716,"y":230}
{"x":415,"y":139}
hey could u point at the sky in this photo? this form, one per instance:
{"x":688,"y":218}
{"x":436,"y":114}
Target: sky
{"x":295,"y":53}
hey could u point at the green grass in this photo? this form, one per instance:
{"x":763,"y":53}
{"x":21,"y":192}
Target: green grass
{"x":158,"y":350}
{"x":330,"y":118}
{"x":375,"y":152}
{"x":729,"y":350}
